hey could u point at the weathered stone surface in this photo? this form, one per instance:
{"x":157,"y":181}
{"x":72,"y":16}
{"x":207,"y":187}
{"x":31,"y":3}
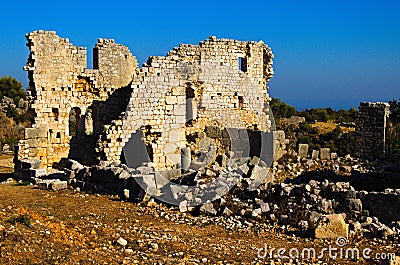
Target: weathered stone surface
{"x":354,"y":205}
{"x":26,"y":174}
{"x":58,"y":185}
{"x":33,"y":133}
{"x":30,"y":163}
{"x":154,"y":102}
{"x":314,"y":154}
{"x":371,"y":130}
{"x":303,"y":150}
{"x":122,"y":242}
{"x":325,"y":153}
{"x":331,"y":226}
{"x":208,"y":208}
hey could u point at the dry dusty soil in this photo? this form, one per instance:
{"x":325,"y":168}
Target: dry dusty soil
{"x":70,"y":227}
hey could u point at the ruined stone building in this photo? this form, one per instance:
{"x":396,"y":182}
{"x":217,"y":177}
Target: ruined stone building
{"x":91,"y":114}
{"x":372,"y":135}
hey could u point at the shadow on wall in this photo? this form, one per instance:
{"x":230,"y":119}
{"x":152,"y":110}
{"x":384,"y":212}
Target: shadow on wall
{"x":135,"y":151}
{"x":87,"y":129}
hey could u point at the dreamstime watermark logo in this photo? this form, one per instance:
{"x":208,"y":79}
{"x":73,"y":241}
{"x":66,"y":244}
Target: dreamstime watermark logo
{"x":333,"y":252}
{"x":214,"y":85}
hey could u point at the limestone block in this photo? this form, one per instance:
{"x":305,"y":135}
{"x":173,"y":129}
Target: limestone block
{"x":325,"y":153}
{"x":180,"y":110}
{"x":173,"y":159}
{"x":332,"y":227}
{"x":314,"y":154}
{"x":171,"y":148}
{"x":171,"y":100}
{"x":52,"y":184}
{"x":186,"y":158}
{"x":303,"y":150}
{"x":30,"y":163}
{"x":31,"y":133}
{"x":59,"y":185}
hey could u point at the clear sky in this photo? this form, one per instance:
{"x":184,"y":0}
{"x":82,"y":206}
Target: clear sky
{"x":327,"y":53}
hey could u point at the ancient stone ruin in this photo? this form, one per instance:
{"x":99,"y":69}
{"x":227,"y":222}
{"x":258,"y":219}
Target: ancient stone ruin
{"x":371,"y":130}
{"x":200,"y":112}
{"x":194,"y":92}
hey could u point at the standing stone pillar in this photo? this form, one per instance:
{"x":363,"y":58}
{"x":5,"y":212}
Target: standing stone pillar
{"x":186,"y":158}
{"x":371,"y":130}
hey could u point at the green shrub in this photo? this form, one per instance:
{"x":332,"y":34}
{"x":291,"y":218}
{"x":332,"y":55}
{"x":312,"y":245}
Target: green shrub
{"x":22,"y":219}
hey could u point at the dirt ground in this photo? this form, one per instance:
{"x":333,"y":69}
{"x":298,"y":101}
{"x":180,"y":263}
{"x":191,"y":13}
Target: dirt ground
{"x":70,"y":227}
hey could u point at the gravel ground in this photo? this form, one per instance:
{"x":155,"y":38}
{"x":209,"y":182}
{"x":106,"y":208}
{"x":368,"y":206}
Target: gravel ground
{"x":70,"y":227}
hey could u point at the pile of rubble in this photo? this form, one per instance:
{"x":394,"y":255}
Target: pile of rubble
{"x":242,"y":188}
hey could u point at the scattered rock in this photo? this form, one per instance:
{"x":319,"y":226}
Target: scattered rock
{"x":122,"y":242}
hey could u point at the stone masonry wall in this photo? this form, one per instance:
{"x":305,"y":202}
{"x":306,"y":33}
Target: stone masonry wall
{"x":201,"y":84}
{"x":220,"y":82}
{"x":59,"y":82}
{"x":371,"y":130}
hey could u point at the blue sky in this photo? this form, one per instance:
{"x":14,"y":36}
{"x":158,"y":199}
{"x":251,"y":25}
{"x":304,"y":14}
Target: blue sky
{"x":327,"y":53}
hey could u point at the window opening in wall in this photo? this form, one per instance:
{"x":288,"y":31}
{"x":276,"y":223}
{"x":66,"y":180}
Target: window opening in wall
{"x":74,"y":121}
{"x":191,"y":105}
{"x":58,"y":135}
{"x":241,"y":102}
{"x":242,"y":64}
{"x":55,"y":113}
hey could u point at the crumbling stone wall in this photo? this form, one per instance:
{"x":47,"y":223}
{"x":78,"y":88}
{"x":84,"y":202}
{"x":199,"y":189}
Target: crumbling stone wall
{"x":60,"y":84}
{"x":172,"y":98}
{"x":371,"y":130}
{"x":190,"y":88}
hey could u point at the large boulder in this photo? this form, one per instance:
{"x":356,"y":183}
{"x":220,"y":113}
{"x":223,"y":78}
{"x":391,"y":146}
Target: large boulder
{"x":331,"y":226}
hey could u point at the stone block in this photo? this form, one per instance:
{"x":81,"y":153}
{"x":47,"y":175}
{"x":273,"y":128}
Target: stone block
{"x":197,"y":165}
{"x":31,"y":133}
{"x":30,"y":163}
{"x":44,"y":184}
{"x":303,"y":150}
{"x":325,"y":153}
{"x":331,"y":226}
{"x":171,"y":100}
{"x":186,"y":158}
{"x":242,"y":170}
{"x":254,"y":161}
{"x":354,"y":205}
{"x":58,"y":185}
{"x":314,"y":154}
{"x":39,"y":172}
{"x":279,"y":136}
{"x":208,"y":208}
